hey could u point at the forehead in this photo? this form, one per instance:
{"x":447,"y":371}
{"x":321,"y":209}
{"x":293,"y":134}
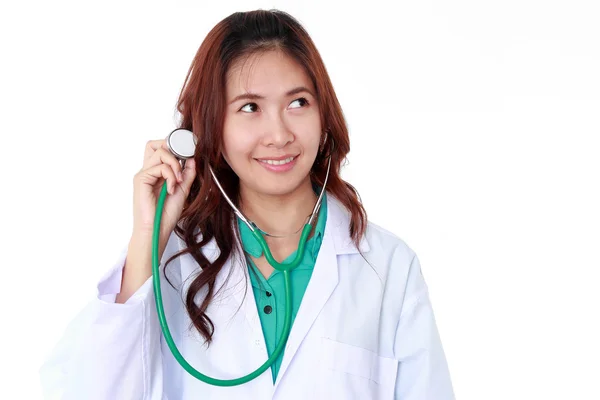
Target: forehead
{"x":269,"y":73}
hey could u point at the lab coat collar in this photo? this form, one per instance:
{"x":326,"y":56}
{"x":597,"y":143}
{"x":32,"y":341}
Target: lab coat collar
{"x":338,"y":226}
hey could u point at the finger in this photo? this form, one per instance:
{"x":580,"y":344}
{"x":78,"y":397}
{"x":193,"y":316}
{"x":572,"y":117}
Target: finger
{"x":162,"y":156}
{"x":152,"y":175}
{"x":152,"y":146}
{"x":189,"y":174}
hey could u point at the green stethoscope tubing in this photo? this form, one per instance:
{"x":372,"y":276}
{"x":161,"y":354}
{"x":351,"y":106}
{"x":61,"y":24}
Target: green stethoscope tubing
{"x":285,"y":268}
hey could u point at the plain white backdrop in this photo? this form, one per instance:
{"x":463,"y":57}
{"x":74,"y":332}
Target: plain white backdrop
{"x":474,"y":137}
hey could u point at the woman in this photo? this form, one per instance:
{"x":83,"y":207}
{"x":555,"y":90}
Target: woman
{"x":266,"y":119}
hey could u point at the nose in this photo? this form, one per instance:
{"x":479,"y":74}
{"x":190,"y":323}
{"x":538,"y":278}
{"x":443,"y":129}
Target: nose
{"x":277,"y":133}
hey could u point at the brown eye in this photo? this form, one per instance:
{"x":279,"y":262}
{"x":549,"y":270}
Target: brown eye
{"x":250,"y":108}
{"x":303,"y":102}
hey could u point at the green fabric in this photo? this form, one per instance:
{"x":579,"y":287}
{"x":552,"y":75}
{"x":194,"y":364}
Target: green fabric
{"x":272,"y":324}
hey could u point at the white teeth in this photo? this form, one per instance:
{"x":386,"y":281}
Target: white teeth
{"x":277,"y":162}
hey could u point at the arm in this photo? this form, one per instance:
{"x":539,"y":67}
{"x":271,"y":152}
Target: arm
{"x":423,"y":371}
{"x":110,"y":350}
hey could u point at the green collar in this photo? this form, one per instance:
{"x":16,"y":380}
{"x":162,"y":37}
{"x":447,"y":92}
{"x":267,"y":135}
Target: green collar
{"x":252,"y":247}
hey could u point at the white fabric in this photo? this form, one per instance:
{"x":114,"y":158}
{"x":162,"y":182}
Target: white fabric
{"x":364,"y":330}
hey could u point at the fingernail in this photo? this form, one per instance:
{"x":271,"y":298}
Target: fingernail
{"x":179,"y":176}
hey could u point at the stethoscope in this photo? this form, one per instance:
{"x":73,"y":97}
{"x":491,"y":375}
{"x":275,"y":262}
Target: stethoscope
{"x":182,"y":143}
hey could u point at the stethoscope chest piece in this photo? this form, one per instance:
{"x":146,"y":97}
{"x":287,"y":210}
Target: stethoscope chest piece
{"x":182,"y":143}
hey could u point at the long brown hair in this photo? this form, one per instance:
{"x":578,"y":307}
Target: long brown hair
{"x":202,"y":107}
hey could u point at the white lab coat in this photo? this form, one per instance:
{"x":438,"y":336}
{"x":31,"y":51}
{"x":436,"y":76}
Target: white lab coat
{"x":363,"y":331}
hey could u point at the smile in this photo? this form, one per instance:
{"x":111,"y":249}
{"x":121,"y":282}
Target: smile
{"x":278,"y":162}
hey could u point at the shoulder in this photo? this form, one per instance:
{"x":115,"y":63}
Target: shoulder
{"x":377,"y":243}
{"x":384,"y":244}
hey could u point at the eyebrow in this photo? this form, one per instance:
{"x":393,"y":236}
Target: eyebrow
{"x":255,"y":96}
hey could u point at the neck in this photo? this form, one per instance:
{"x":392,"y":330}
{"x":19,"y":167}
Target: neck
{"x":280,"y":214}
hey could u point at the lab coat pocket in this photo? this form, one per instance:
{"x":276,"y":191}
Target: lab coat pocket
{"x":350,"y":372}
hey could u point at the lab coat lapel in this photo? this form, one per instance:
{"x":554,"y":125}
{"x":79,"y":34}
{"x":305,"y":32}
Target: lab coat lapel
{"x":324,"y":279}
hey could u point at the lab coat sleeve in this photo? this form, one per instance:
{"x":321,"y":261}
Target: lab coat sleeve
{"x":423,"y":372}
{"x":109,"y":351}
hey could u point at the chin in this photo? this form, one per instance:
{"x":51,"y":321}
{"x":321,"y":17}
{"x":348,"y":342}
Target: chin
{"x":279,"y":187}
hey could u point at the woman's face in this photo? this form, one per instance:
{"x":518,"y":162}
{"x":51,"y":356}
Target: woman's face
{"x":272,"y":125}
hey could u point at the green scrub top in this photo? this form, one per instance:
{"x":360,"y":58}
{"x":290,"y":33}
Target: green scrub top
{"x":270,"y":293}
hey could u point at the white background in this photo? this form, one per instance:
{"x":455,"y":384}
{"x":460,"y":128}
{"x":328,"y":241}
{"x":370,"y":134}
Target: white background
{"x":474,"y":132}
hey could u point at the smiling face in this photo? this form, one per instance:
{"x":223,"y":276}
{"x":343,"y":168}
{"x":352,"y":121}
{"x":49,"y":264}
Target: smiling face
{"x":272,"y":124}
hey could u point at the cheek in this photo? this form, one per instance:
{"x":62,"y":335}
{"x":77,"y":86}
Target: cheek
{"x":237,"y":142}
{"x":312,"y":141}
{"x":308,"y":134}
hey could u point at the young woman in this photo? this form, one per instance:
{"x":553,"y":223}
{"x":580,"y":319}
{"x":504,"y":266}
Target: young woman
{"x":267,"y":121}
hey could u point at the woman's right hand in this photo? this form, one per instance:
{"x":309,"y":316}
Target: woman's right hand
{"x":160,"y":165}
